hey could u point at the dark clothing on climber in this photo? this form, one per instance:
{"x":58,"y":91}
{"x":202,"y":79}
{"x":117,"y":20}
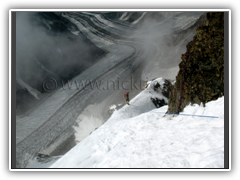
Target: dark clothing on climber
{"x":126,"y":96}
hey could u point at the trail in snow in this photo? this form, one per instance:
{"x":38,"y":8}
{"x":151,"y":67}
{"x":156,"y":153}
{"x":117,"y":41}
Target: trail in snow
{"x":132,"y":139}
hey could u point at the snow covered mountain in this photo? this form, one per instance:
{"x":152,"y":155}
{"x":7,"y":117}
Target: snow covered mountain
{"x":141,"y":136}
{"x":102,"y":47}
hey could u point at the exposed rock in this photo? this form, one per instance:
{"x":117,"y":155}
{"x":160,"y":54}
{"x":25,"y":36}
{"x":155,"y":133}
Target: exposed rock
{"x":39,"y":155}
{"x":201,"y":71}
{"x":167,"y":87}
{"x":158,"y":102}
{"x":156,"y":87}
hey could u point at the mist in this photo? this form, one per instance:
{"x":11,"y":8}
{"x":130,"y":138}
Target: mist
{"x":164,"y":35}
{"x":48,"y":47}
{"x":80,"y":46}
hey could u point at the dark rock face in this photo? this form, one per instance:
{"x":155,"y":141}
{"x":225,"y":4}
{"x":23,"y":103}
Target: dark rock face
{"x":158,"y":102}
{"x":201,"y":74}
{"x":167,"y":87}
{"x":39,"y":156}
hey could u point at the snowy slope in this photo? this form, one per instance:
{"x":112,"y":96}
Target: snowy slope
{"x":140,"y":136}
{"x":47,"y":126}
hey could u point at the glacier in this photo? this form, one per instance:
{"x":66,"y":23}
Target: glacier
{"x":132,"y":47}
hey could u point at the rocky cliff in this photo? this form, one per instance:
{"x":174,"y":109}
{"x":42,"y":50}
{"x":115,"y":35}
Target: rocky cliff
{"x":201,"y":71}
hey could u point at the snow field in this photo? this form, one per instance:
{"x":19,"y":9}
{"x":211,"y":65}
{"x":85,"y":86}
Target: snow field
{"x":147,"y":138}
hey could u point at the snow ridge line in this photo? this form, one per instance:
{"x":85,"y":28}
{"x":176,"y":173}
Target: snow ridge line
{"x":174,"y":113}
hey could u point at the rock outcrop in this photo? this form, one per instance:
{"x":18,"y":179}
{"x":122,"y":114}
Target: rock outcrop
{"x":163,"y":89}
{"x":201,"y":71}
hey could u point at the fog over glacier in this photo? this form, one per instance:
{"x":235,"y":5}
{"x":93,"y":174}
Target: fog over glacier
{"x":72,"y":66}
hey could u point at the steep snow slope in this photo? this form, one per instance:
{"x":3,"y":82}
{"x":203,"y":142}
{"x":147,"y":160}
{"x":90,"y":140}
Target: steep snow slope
{"x":139,"y":136}
{"x":130,"y":55}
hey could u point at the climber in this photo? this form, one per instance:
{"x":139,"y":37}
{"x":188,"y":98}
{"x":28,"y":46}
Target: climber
{"x":126,"y":96}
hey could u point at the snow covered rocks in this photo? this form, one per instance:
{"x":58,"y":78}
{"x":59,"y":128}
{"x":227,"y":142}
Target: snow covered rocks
{"x":111,"y":109}
{"x":133,"y":139}
{"x":162,"y":87}
{"x":140,"y":136}
{"x":114,"y":107}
